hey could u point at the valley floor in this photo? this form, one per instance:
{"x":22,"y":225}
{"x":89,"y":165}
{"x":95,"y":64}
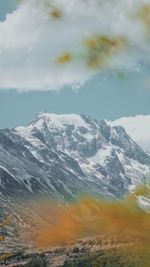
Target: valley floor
{"x":90,"y":252}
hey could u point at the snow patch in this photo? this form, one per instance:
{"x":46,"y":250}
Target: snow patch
{"x":101,"y":155}
{"x":59,"y":120}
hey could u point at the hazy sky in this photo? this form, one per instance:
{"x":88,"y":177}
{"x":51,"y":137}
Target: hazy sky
{"x":108,"y":95}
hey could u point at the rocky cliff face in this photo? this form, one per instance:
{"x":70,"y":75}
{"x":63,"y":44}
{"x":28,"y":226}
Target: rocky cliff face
{"x":138,"y":127}
{"x":64,"y":156}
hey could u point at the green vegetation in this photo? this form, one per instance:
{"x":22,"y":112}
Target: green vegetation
{"x":111,"y":258}
{"x":37,"y":262}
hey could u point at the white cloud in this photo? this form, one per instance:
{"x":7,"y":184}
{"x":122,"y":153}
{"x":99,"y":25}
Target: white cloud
{"x":35,"y":35}
{"x":138,"y":128}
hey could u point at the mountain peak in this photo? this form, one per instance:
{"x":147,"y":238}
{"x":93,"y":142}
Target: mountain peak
{"x":58,"y":120}
{"x":62,"y":154}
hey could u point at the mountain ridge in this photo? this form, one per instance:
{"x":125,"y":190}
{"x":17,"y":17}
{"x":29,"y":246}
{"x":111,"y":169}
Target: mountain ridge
{"x":138,"y":127}
{"x":65,"y":156}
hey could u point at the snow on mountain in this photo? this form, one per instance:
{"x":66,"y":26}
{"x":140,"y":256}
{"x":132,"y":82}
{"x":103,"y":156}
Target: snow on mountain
{"x":137,"y":127}
{"x":64,"y":156}
{"x":55,"y":121}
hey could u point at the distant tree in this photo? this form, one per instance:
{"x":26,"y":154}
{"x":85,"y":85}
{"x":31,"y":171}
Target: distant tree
{"x":37,"y":262}
{"x":75,"y":250}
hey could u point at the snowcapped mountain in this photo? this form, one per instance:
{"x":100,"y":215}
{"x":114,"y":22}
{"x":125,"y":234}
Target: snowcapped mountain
{"x":137,"y":127}
{"x":64,"y":156}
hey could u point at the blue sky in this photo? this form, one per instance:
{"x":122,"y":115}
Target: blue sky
{"x":108,"y":95}
{"x":5,"y":7}
{"x":114,"y":98}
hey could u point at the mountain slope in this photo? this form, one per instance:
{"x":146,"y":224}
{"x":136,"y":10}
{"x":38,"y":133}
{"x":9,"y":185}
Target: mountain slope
{"x":63,"y":156}
{"x":138,"y":128}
